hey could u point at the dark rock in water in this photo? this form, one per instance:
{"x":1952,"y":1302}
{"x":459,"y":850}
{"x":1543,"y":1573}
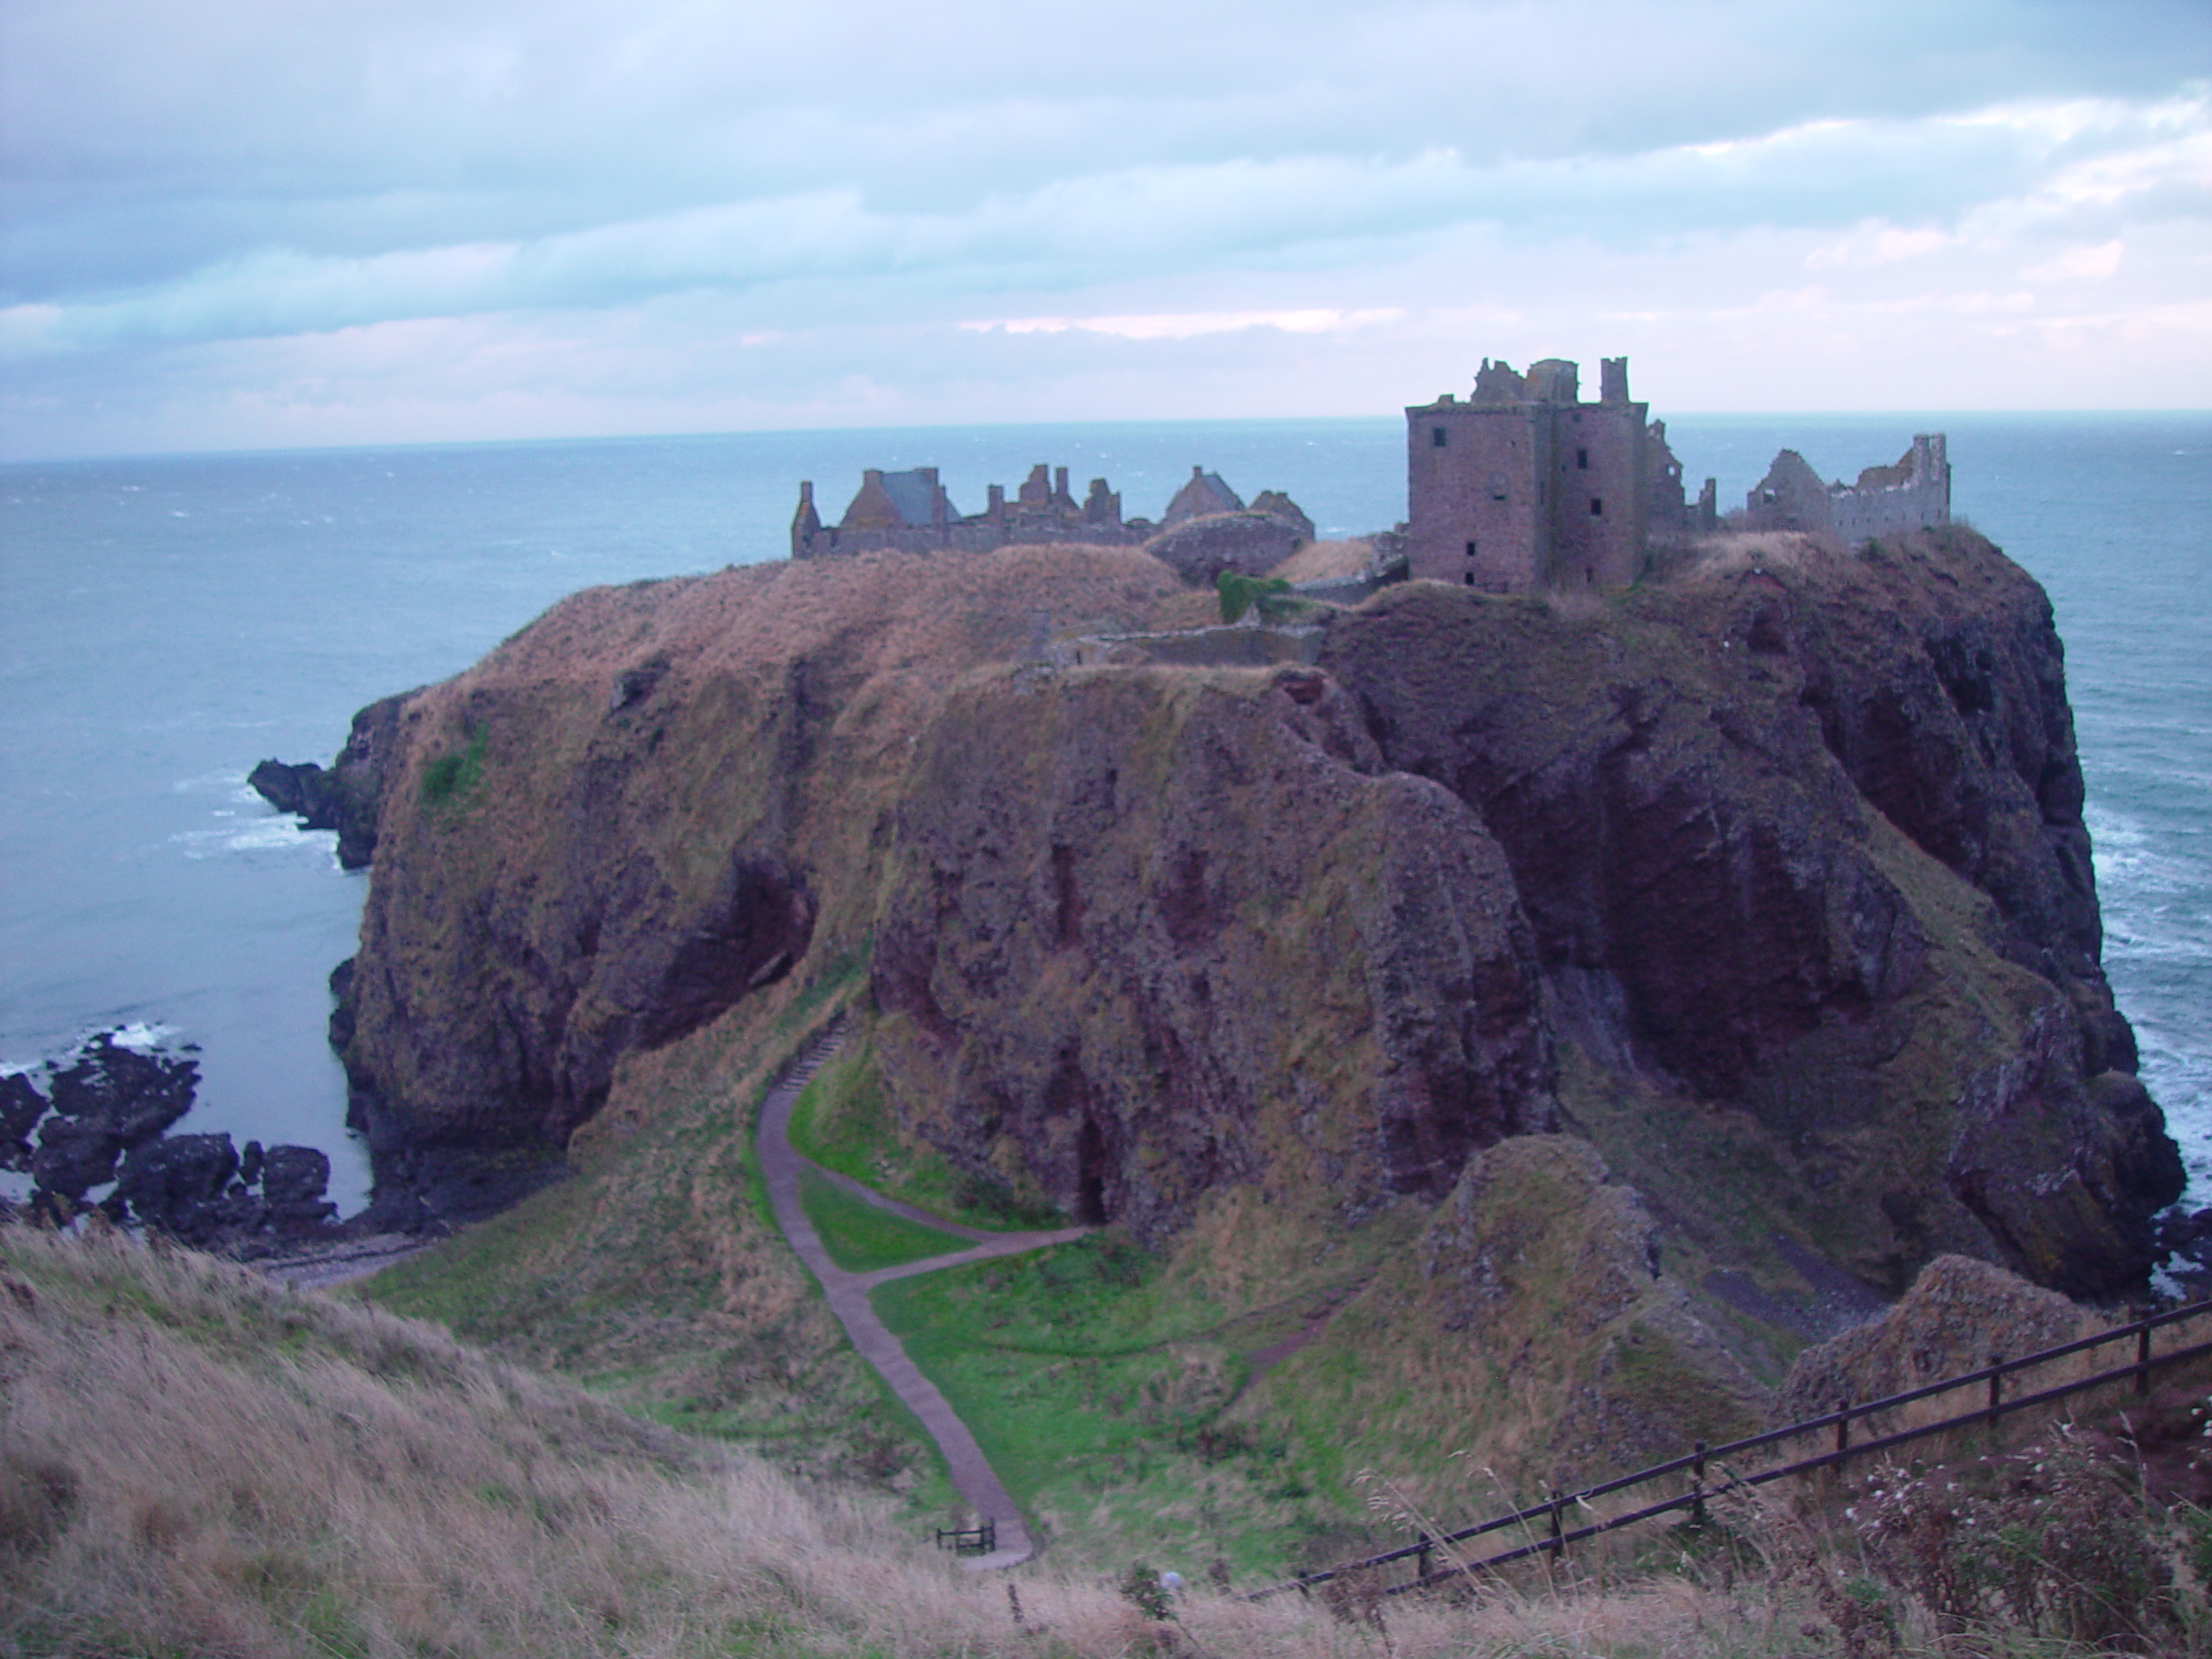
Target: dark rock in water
{"x":294,"y":1174}
{"x":296,"y":789}
{"x":292,"y":1183}
{"x":74,"y":1157}
{"x":108,"y":1100}
{"x":195,"y":1188}
{"x":111,"y":1106}
{"x":21,"y":1107}
{"x":348,"y":796}
{"x":178,"y":1183}
{"x":341,"y":1006}
{"x":129,"y":1094}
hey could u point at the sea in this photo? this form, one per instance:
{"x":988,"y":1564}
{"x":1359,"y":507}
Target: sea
{"x":166,"y":621}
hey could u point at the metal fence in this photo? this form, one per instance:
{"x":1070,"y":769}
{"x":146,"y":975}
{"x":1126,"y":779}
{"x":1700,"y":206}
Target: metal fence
{"x":1545,"y":1522}
{"x":985,"y":1537}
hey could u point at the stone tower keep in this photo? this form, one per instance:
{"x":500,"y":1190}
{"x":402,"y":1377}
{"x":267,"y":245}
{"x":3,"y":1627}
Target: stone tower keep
{"x":1526,"y":487}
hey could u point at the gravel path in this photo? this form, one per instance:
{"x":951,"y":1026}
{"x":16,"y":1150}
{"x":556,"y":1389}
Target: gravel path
{"x":781,"y":1165}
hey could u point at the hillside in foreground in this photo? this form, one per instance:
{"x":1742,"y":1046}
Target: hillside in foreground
{"x":195,"y":1461}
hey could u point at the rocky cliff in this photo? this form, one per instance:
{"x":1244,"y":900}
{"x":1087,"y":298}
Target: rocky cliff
{"x":1767,"y":881}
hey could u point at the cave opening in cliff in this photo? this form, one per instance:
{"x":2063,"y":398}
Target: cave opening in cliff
{"x":1090,"y":1176}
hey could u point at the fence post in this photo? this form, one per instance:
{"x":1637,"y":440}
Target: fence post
{"x":1697,"y":1486}
{"x":1420,"y":1562}
{"x":1843,"y":1426}
{"x":2142,"y":1361}
{"x":1996,"y":1381}
{"x":1558,"y":1544}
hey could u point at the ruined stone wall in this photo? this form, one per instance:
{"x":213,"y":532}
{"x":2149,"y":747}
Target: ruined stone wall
{"x":1921,"y":501}
{"x":1791,"y":497}
{"x":1915,"y":493}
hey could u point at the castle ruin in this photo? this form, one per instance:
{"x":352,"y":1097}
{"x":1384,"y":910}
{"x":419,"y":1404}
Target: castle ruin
{"x":1525,"y":488}
{"x":1521,"y":488}
{"x":1912,"y":493}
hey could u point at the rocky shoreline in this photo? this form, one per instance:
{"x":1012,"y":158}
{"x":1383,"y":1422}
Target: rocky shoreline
{"x":101,"y":1117}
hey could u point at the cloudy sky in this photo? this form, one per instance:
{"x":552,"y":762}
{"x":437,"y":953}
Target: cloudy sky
{"x":241,"y":223}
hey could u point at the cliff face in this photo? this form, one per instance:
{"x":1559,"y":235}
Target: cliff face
{"x":1150,"y":932}
{"x":1780,"y":862}
{"x":1800,"y":836}
{"x":632,"y":815}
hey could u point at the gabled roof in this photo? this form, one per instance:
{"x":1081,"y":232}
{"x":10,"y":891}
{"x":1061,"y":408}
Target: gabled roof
{"x":914,"y":494}
{"x":1206,"y":493}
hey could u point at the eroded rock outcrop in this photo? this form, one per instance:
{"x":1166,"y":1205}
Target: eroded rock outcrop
{"x":1149,"y":933}
{"x":653,"y":803}
{"x":348,"y":796}
{"x":1729,"y":803}
{"x":105,"y":1099}
{"x":1529,"y":1335}
{"x":1959,"y":1315}
{"x":1779,"y":861}
{"x":1249,"y":542}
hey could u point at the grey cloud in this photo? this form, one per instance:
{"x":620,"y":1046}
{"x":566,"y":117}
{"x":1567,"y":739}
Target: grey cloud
{"x":216,"y":195}
{"x":294,"y":116}
{"x":1286,"y":214}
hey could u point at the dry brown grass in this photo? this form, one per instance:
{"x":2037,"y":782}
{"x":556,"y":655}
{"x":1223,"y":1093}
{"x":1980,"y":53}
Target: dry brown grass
{"x":193,"y":1460}
{"x":1320,"y":561}
{"x":884,"y":611}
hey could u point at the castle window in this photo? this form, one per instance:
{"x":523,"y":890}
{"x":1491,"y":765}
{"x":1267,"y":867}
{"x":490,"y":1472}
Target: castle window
{"x":1469,"y":578}
{"x":1436,"y":436}
{"x":1597,"y":508}
{"x":1470,"y":550}
{"x":1582,"y":460}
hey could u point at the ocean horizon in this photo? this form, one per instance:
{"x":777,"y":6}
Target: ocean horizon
{"x":169,"y":620}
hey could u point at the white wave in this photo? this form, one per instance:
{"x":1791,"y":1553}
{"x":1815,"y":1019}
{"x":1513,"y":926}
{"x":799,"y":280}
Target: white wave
{"x":142,"y":1036}
{"x":269,"y":835}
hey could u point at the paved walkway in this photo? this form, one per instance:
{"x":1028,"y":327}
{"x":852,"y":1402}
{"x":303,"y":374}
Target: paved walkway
{"x":781,"y":1165}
